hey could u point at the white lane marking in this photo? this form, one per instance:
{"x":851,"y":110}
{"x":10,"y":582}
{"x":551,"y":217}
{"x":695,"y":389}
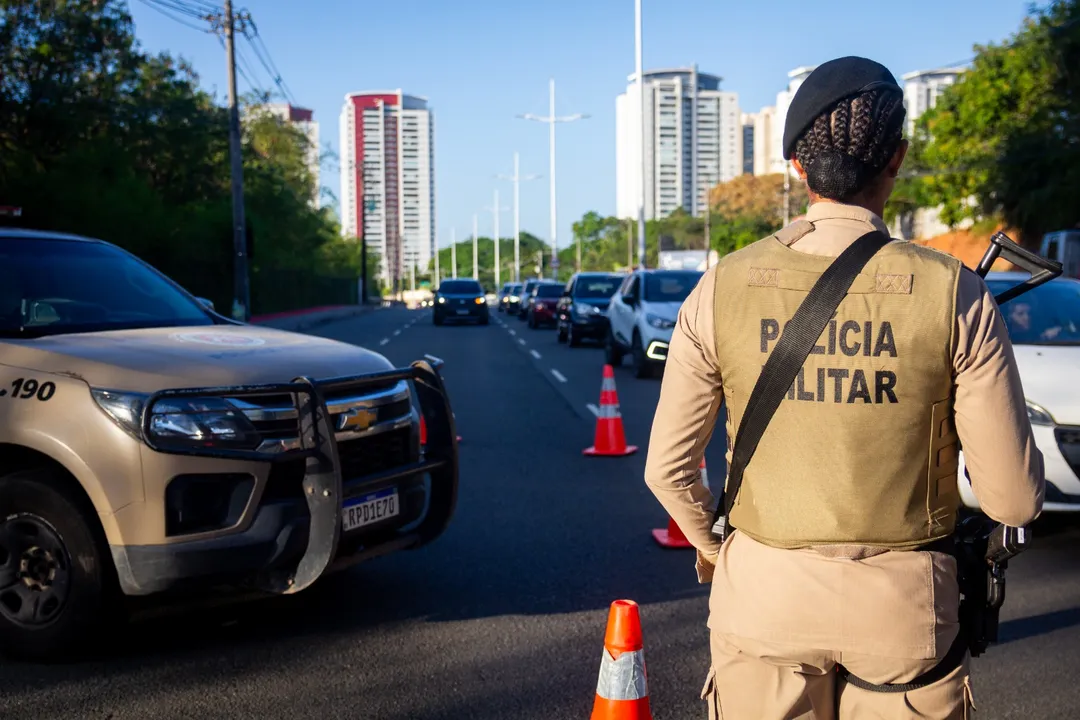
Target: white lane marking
{"x":384,"y":341}
{"x":593,"y":409}
{"x":521,"y":340}
{"x":534,"y":354}
{"x":513,"y":333}
{"x":397,"y":332}
{"x":558,"y":375}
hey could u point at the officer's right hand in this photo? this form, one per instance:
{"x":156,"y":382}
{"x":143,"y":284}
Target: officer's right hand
{"x":705,"y":566}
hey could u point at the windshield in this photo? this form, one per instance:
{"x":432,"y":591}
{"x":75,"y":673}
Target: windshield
{"x":459,"y":287}
{"x":596,"y":288}
{"x":1047,"y":315}
{"x":670,"y":286}
{"x":529,"y":287}
{"x":515,"y":289}
{"x":50,"y":287}
{"x":549,"y":291}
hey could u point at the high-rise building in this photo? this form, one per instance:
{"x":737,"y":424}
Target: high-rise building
{"x":304,"y":120}
{"x":747,"y":123}
{"x":783,"y":101}
{"x":922,"y":89}
{"x":765,"y":144}
{"x":388,"y":179}
{"x":693,"y":140}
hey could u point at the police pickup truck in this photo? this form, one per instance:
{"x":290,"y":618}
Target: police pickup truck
{"x":149,"y":445}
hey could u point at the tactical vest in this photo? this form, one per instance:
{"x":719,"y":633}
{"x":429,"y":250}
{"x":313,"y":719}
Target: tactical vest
{"x":863,"y":449}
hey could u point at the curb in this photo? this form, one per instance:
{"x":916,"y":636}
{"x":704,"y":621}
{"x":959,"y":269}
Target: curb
{"x":298,"y":320}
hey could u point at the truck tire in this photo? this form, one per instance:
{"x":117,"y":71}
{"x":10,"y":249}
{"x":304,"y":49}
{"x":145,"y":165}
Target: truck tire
{"x":57,"y":586}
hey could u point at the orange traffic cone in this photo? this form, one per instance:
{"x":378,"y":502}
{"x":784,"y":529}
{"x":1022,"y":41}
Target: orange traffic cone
{"x":622,"y":691}
{"x":672,"y":536}
{"x":610,"y":439}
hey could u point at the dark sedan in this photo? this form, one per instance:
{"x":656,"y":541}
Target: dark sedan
{"x":582,"y":309}
{"x":526,"y":298}
{"x":461,"y":300}
{"x":544,"y":299}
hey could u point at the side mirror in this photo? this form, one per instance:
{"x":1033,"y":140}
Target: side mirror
{"x":208,"y":304}
{"x":566,"y":293}
{"x":629,"y":300}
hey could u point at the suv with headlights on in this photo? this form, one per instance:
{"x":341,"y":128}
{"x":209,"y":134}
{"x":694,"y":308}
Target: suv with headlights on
{"x":152,"y":445}
{"x":642,"y":315}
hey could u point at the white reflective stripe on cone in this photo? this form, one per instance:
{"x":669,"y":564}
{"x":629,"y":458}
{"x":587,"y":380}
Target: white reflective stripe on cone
{"x":623,"y":678}
{"x":609,"y":412}
{"x":607,"y":384}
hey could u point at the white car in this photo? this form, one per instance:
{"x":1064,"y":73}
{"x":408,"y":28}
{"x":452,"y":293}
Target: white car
{"x":642,"y":315}
{"x":1044,"y":326}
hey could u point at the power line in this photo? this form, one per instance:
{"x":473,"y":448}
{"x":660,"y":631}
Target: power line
{"x":160,"y":7}
{"x":262,"y":52}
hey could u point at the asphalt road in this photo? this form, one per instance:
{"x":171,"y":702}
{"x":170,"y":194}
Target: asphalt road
{"x":503,"y":617}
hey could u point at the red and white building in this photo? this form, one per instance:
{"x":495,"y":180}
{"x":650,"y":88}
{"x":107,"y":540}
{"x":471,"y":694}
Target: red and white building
{"x":388,"y":179}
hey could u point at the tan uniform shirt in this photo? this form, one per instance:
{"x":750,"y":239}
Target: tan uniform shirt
{"x":991,"y":420}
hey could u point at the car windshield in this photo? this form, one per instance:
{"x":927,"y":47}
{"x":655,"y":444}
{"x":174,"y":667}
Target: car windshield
{"x":670,"y":286}
{"x":1047,"y":315}
{"x":515,"y":289}
{"x":51,"y":287}
{"x":596,"y":288}
{"x":549,"y":291}
{"x":459,"y":287}
{"x":529,"y":287}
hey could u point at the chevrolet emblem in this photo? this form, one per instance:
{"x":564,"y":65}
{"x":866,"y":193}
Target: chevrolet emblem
{"x":356,"y":419}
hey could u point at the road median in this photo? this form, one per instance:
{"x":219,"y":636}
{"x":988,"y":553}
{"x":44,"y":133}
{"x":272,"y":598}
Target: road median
{"x":308,"y":318}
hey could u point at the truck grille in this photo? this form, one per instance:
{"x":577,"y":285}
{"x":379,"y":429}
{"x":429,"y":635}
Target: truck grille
{"x":355,"y":413}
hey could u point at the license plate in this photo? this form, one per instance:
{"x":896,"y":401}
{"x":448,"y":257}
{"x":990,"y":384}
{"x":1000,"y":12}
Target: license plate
{"x":462,"y":312}
{"x":371,"y":508}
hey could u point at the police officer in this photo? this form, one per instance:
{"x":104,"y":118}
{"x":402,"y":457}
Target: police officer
{"x":835,"y":560}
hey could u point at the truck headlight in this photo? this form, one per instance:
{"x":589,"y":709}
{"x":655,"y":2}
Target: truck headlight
{"x":181,"y":422}
{"x":658,"y":322}
{"x":1038,"y":415}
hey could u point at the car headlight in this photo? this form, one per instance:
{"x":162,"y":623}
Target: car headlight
{"x":658,"y":322}
{"x":583,"y":309}
{"x":1038,"y":415}
{"x":442,"y":300}
{"x":479,"y":301}
{"x":181,"y":422}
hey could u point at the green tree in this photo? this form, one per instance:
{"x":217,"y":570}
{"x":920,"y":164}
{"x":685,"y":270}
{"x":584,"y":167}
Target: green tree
{"x":1008,"y":133}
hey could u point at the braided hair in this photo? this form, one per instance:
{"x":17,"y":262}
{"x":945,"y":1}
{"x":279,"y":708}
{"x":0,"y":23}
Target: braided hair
{"x":847,"y":146}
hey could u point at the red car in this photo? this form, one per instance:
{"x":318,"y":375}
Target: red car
{"x":542,"y":305}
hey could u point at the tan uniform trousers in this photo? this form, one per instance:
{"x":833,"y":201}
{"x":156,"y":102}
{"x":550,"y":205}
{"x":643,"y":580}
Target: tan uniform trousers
{"x":781,"y":620}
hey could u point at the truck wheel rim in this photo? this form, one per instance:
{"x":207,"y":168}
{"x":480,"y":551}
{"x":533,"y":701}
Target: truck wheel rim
{"x":35,"y":571}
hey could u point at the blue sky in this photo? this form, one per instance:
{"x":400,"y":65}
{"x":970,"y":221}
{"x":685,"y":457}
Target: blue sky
{"x":481,"y":62}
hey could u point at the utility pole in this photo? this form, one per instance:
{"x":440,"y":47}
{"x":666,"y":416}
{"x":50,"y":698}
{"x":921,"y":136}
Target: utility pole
{"x":412,"y":276}
{"x":475,"y":247}
{"x":708,"y":232}
{"x":577,"y":265}
{"x":629,"y":245}
{"x":516,"y":179}
{"x":453,"y":253}
{"x":497,"y":210}
{"x":641,"y":137}
{"x":551,"y":119}
{"x":241,"y":309}
{"x":438,"y":277}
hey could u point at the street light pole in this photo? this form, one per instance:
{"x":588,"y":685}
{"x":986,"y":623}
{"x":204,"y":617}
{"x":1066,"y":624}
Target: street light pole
{"x":453,"y":252}
{"x":497,"y":210}
{"x":438,"y":277}
{"x":475,"y":246}
{"x":641,"y":138}
{"x":516,"y":178}
{"x":551,"y":120}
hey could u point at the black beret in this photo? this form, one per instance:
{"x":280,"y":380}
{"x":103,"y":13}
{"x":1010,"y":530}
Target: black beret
{"x":827,"y":85}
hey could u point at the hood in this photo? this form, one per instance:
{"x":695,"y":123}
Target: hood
{"x":666,"y":310}
{"x":159,"y":358}
{"x":601,"y":303}
{"x":1049,"y":374}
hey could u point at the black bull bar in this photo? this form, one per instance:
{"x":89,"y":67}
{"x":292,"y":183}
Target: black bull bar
{"x":322,"y":482}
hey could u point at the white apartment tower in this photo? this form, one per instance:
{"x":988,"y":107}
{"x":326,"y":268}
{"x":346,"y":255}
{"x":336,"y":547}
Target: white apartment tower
{"x":302,"y":119}
{"x":388,"y":179}
{"x":693,"y":140}
{"x":922,"y":89}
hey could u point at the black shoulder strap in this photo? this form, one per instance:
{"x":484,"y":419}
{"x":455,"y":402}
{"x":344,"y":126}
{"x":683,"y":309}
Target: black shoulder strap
{"x":792,"y":349}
